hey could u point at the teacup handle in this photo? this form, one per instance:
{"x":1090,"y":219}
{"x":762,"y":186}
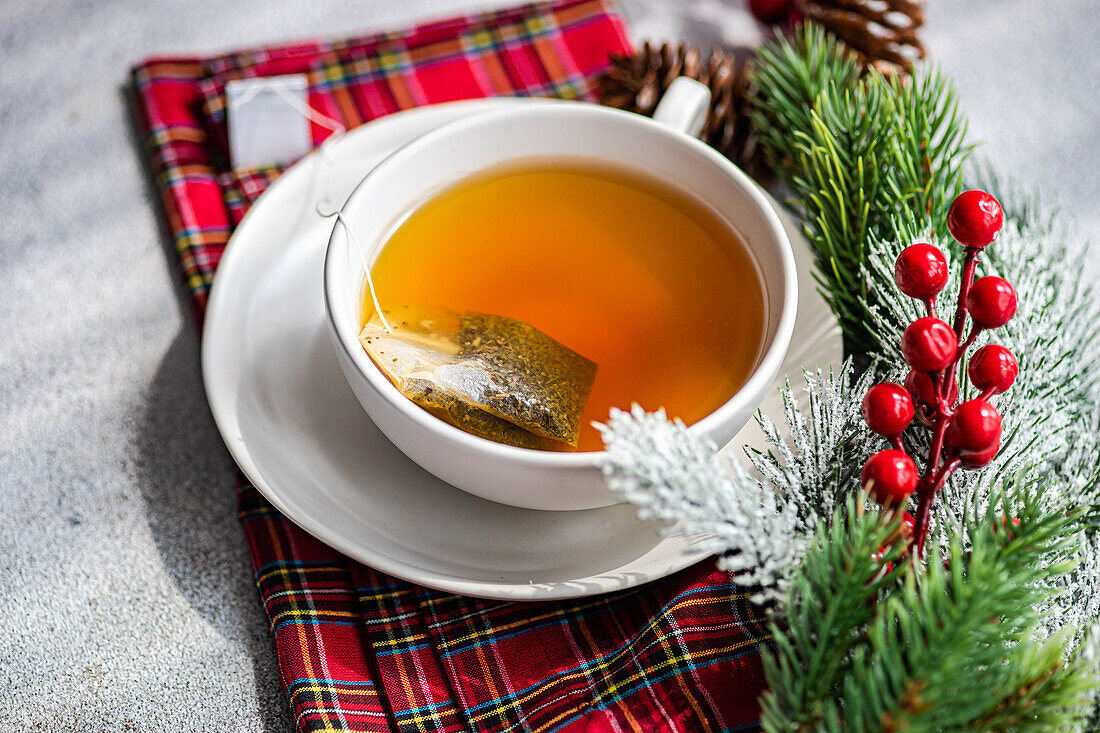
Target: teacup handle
{"x":684,"y":106}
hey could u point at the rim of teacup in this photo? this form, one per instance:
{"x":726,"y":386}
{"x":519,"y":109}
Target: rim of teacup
{"x":768,"y":361}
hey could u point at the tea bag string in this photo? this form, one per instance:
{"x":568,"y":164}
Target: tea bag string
{"x":363,"y":257}
{"x":323,"y":207}
{"x":325,"y":210}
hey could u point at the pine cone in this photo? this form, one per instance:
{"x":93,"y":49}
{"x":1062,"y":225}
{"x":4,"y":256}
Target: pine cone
{"x":882,"y":33}
{"x":637,"y":83}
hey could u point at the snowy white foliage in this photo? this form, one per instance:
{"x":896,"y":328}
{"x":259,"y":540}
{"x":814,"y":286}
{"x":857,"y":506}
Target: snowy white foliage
{"x":759,"y":523}
{"x":1078,"y":607}
{"x":676,"y":477}
{"x":817,"y":467}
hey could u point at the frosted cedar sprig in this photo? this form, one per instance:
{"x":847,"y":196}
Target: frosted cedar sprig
{"x":966,"y":434}
{"x":759,"y":519}
{"x":676,"y":477}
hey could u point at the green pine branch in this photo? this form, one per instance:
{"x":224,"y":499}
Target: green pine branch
{"x":866,"y":158}
{"x":944,"y":648}
{"x":956,"y":648}
{"x":827,"y":608}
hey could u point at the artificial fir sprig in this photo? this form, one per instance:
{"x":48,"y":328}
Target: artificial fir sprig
{"x":678,"y":478}
{"x":1052,"y":411}
{"x":946,"y":648}
{"x":1054,"y":420}
{"x":953,"y":648}
{"x":824,"y":606}
{"x":830,"y":603}
{"x":866,"y":158}
{"x":815,"y":468}
{"x":758,"y":523}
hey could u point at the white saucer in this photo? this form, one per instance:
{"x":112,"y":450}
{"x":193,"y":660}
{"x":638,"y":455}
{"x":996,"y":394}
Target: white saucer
{"x":298,"y":433}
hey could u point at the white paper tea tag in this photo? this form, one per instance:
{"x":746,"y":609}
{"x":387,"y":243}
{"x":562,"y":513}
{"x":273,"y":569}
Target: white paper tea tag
{"x":268,"y":120}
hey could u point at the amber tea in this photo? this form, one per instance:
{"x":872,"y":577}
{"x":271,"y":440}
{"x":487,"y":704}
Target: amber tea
{"x":633,"y":274}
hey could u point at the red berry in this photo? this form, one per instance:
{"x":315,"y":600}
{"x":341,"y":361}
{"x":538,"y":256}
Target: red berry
{"x":905,"y":530}
{"x":923,"y":391}
{"x":975,"y":428}
{"x":991,"y":302}
{"x":888,"y":409}
{"x":920,"y":271}
{"x":975,"y":218}
{"x":993,"y":368}
{"x":928,"y":344}
{"x":769,"y":11}
{"x":890,"y":476}
{"x":921,"y":387}
{"x":982,"y":459}
{"x":908,"y":524}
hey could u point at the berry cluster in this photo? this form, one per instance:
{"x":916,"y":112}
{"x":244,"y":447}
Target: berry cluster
{"x":966,"y":434}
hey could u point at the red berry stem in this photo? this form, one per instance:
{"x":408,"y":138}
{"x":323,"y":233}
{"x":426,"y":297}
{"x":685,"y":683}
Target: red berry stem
{"x":943,"y":402}
{"x":920,"y":528}
{"x":920,"y":521}
{"x":952,"y":374}
{"x":943,"y":474}
{"x":974,"y":331}
{"x":926,"y":489}
{"x":970,"y":263}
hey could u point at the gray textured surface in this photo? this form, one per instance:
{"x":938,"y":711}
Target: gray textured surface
{"x":125,"y":593}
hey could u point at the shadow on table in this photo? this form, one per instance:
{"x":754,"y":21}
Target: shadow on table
{"x":186,"y":479}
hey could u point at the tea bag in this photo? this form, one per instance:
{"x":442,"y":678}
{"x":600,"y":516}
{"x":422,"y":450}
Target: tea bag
{"x":492,"y":376}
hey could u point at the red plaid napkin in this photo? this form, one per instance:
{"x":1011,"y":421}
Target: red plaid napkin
{"x":360,"y":650}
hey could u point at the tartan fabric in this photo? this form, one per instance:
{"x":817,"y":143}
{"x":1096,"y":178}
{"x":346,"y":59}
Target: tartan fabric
{"x":362,"y":651}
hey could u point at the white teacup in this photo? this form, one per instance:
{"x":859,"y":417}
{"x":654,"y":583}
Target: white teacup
{"x":540,"y":129}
